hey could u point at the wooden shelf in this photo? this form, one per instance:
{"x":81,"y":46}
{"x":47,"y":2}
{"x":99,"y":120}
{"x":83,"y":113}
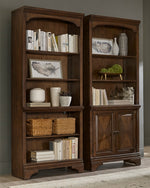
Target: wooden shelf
{"x":112,"y":107}
{"x":51,"y":136}
{"x":52,"y":162}
{"x":113,"y":56}
{"x":37,"y":52}
{"x":53,"y":109}
{"x":58,"y":22}
{"x":115,"y":81}
{"x":52,"y":80}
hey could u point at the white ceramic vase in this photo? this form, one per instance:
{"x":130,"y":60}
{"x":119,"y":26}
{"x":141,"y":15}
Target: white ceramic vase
{"x":55,"y":92}
{"x":37,"y":95}
{"x":115,"y":47}
{"x":65,"y":100}
{"x":123,"y":44}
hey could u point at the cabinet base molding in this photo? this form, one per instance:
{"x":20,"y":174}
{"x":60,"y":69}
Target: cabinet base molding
{"x":95,"y":162}
{"x":31,"y":169}
{"x":136,"y":161}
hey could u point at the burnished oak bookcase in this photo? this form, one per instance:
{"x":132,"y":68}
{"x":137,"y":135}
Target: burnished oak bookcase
{"x":111,"y":132}
{"x":58,"y":22}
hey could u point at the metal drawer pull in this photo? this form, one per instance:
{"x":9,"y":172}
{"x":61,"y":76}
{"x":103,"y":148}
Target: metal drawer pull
{"x":127,"y":115}
{"x":116,"y":132}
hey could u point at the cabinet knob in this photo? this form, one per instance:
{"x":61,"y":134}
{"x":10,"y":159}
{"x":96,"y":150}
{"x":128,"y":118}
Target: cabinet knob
{"x":116,"y":132}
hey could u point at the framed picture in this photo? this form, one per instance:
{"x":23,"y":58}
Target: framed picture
{"x":45,"y":68}
{"x":102,"y":46}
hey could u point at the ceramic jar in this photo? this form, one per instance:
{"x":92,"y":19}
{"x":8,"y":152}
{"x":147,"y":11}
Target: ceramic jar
{"x":55,"y":92}
{"x":37,"y":95}
{"x":123,"y":44}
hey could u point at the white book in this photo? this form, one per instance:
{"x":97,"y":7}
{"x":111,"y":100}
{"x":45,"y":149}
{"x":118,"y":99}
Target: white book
{"x":105,"y":99}
{"x":35,"y":40}
{"x":101,"y":97}
{"x":55,"y":150}
{"x":39,"y":38}
{"x":49,"y":41}
{"x":93,"y":94}
{"x":45,"y":159}
{"x":29,"y":39}
{"x":73,"y":147}
{"x":63,"y":43}
{"x":41,"y":153}
{"x":97,"y":96}
{"x":43,"y":156}
{"x":39,"y":104}
{"x":71,"y":49}
{"x":76,"y":147}
{"x":75,"y":43}
{"x":44,"y":41}
{"x":64,"y":149}
{"x":54,"y":43}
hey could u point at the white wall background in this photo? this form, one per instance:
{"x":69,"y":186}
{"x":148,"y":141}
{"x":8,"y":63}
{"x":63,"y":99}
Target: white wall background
{"x":132,"y":9}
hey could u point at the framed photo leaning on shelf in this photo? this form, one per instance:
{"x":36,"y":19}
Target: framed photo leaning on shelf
{"x":45,"y":68}
{"x":102,"y":46}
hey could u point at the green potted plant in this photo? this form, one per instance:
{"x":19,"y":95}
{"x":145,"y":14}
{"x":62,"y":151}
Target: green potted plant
{"x":65,"y":98}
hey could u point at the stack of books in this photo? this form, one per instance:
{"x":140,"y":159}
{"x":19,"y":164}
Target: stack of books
{"x":120,"y":102}
{"x":65,"y":148}
{"x":47,"y":41}
{"x":39,"y":104}
{"x":99,"y":96}
{"x":44,"y":155}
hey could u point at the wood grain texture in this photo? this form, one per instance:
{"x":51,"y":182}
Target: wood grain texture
{"x":59,"y":22}
{"x":111,"y":132}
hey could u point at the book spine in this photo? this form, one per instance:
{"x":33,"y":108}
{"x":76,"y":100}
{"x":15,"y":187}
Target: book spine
{"x":75,"y":43}
{"x":93,"y":94}
{"x":49,"y":41}
{"x":29,"y":39}
{"x":71,"y":49}
{"x":39,"y":38}
{"x":55,"y":47}
{"x":76,"y":147}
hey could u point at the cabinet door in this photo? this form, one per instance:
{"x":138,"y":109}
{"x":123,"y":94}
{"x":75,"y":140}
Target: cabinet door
{"x":126,"y":131}
{"x":102,"y":133}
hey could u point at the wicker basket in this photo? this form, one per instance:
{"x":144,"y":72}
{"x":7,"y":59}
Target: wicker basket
{"x":64,"y":126}
{"x":39,"y":127}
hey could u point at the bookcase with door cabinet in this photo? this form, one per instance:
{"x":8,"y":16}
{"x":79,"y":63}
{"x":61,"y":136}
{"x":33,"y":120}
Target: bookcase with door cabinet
{"x":111,"y":131}
{"x":57,"y":22}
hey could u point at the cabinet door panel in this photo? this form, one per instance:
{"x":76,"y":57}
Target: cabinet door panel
{"x":102,"y":134}
{"x":126,"y":129}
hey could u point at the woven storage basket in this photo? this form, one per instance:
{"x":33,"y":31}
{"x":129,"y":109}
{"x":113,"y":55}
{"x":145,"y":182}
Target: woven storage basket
{"x":64,"y":126}
{"x":39,"y":127}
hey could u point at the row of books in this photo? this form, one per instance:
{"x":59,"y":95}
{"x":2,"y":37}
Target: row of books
{"x":65,"y":148}
{"x":47,"y":41}
{"x":121,"y":102}
{"x":59,"y":149}
{"x":99,"y":96}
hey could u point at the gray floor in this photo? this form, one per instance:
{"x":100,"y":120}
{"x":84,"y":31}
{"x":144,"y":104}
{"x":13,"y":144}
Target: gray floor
{"x":64,"y":173}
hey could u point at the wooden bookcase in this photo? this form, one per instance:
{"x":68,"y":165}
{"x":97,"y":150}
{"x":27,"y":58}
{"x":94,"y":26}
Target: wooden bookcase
{"x":111,"y":132}
{"x":58,"y":22}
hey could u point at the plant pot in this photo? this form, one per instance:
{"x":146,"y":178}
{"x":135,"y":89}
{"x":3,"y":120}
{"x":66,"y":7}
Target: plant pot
{"x":65,"y":100}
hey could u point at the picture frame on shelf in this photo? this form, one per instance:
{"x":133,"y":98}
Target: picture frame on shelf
{"x":102,"y":46}
{"x":45,"y":68}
